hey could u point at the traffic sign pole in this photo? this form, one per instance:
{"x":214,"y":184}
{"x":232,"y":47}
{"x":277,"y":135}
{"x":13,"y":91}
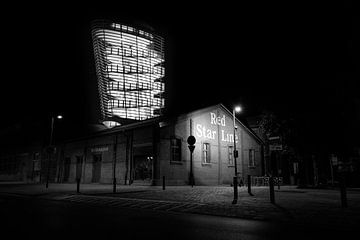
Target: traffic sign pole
{"x":191,"y":141}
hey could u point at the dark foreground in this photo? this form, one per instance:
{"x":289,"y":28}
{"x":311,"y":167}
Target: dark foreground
{"x":35,"y":218}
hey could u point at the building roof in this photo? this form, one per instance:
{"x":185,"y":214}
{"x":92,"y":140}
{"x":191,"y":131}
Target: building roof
{"x":160,"y":120}
{"x":220,"y":105}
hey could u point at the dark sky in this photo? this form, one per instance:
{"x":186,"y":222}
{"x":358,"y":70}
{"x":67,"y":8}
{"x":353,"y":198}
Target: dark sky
{"x":298,"y":60}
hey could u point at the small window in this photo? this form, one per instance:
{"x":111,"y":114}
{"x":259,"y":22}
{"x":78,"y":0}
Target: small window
{"x":231,"y":155}
{"x":175,"y":148}
{"x":251,"y":157}
{"x":36,"y":156}
{"x":206,"y":153}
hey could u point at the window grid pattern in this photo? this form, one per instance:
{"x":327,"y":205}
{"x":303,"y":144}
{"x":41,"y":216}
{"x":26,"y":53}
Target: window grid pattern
{"x":231,"y":155}
{"x":175,"y":145}
{"x":130,"y":71}
{"x":206,"y":153}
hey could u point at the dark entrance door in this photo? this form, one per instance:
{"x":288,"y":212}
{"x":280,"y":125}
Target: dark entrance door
{"x":143,"y":168}
{"x":66,"y":169}
{"x":96,"y":172}
{"x":142,"y":164}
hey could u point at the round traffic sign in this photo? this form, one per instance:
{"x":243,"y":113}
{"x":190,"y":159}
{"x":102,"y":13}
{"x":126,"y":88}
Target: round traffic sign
{"x":191,"y":140}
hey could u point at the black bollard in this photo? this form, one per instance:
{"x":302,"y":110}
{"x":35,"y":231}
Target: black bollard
{"x":249,"y":184}
{"x":272,"y":194}
{"x":343,"y":192}
{"x":278,"y":182}
{"x":235,"y":183}
{"x":114,"y":185}
{"x":163,"y":185}
{"x":78,"y":185}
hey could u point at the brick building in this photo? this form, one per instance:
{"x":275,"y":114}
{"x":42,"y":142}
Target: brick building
{"x":145,"y":151}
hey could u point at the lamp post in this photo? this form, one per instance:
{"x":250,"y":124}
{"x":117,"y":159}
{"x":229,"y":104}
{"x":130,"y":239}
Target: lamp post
{"x":235,"y":180}
{"x":50,"y":149}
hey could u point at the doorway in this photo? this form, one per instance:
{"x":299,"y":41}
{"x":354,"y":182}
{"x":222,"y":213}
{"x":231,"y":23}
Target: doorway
{"x":96,"y":171}
{"x":143,"y":168}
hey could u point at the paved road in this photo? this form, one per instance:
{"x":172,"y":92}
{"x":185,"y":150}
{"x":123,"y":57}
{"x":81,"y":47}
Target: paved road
{"x":39,"y":218}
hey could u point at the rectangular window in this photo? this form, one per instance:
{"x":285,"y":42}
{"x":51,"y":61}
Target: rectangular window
{"x":251,"y":157}
{"x":206,"y":152}
{"x":96,"y":171}
{"x":36,"y":161}
{"x":175,"y":148}
{"x":231,"y":155}
{"x":36,"y":156}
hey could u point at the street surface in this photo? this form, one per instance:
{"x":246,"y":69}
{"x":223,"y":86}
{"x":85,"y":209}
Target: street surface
{"x":86,"y":216}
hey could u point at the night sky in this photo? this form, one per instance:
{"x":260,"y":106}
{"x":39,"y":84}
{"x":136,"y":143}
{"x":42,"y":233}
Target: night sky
{"x":301,"y":61}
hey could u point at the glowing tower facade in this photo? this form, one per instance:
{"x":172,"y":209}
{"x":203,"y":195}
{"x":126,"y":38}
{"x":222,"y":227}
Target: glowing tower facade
{"x":130,"y":72}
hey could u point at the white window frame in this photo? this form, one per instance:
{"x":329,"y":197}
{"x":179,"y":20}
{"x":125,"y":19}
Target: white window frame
{"x":206,"y":153}
{"x":173,"y":149}
{"x":231,"y":155}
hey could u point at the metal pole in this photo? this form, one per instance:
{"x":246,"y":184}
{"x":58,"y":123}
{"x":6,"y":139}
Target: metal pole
{"x":49,"y":152}
{"x":272,"y":194}
{"x":235,"y":181}
{"x":191,"y":170}
{"x":343,"y":191}
{"x":163,"y":183}
{"x":114,"y":165}
{"x":278,"y":182}
{"x":332,"y":172}
{"x":52,"y":130}
{"x":235,"y":155}
{"x":249,"y":185}
{"x":78,"y":185}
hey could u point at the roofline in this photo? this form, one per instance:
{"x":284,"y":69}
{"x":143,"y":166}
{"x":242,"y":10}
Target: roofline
{"x":245,"y":127}
{"x":228,"y":111}
{"x":117,"y":129}
{"x":162,"y":118}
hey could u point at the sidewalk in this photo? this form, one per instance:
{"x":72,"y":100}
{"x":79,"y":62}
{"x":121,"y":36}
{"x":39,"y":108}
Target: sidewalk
{"x":300,"y":206}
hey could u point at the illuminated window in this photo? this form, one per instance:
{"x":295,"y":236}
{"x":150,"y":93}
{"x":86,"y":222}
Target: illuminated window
{"x":251,"y":157}
{"x":175,"y":146}
{"x":206,"y":152}
{"x":231,"y":155}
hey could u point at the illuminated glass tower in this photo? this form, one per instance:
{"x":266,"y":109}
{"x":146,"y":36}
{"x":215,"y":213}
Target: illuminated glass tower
{"x":130,"y":71}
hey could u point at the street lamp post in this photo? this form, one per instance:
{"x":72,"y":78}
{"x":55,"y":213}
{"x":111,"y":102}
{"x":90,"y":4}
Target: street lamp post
{"x":50,"y":149}
{"x":235,"y":180}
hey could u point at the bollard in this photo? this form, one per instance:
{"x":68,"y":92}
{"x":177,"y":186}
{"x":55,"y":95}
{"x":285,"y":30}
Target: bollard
{"x":235,"y":190}
{"x":114,"y":185}
{"x":278,"y":182}
{"x":343,"y":192}
{"x":78,"y":185}
{"x":192,"y":181}
{"x":163,"y":185}
{"x":271,"y":185}
{"x":249,"y":184}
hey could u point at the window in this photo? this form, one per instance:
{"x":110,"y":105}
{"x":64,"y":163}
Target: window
{"x":231,"y":155}
{"x":36,"y":161}
{"x":36,"y":156}
{"x":206,"y":152}
{"x":175,"y":148}
{"x":251,"y":157}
